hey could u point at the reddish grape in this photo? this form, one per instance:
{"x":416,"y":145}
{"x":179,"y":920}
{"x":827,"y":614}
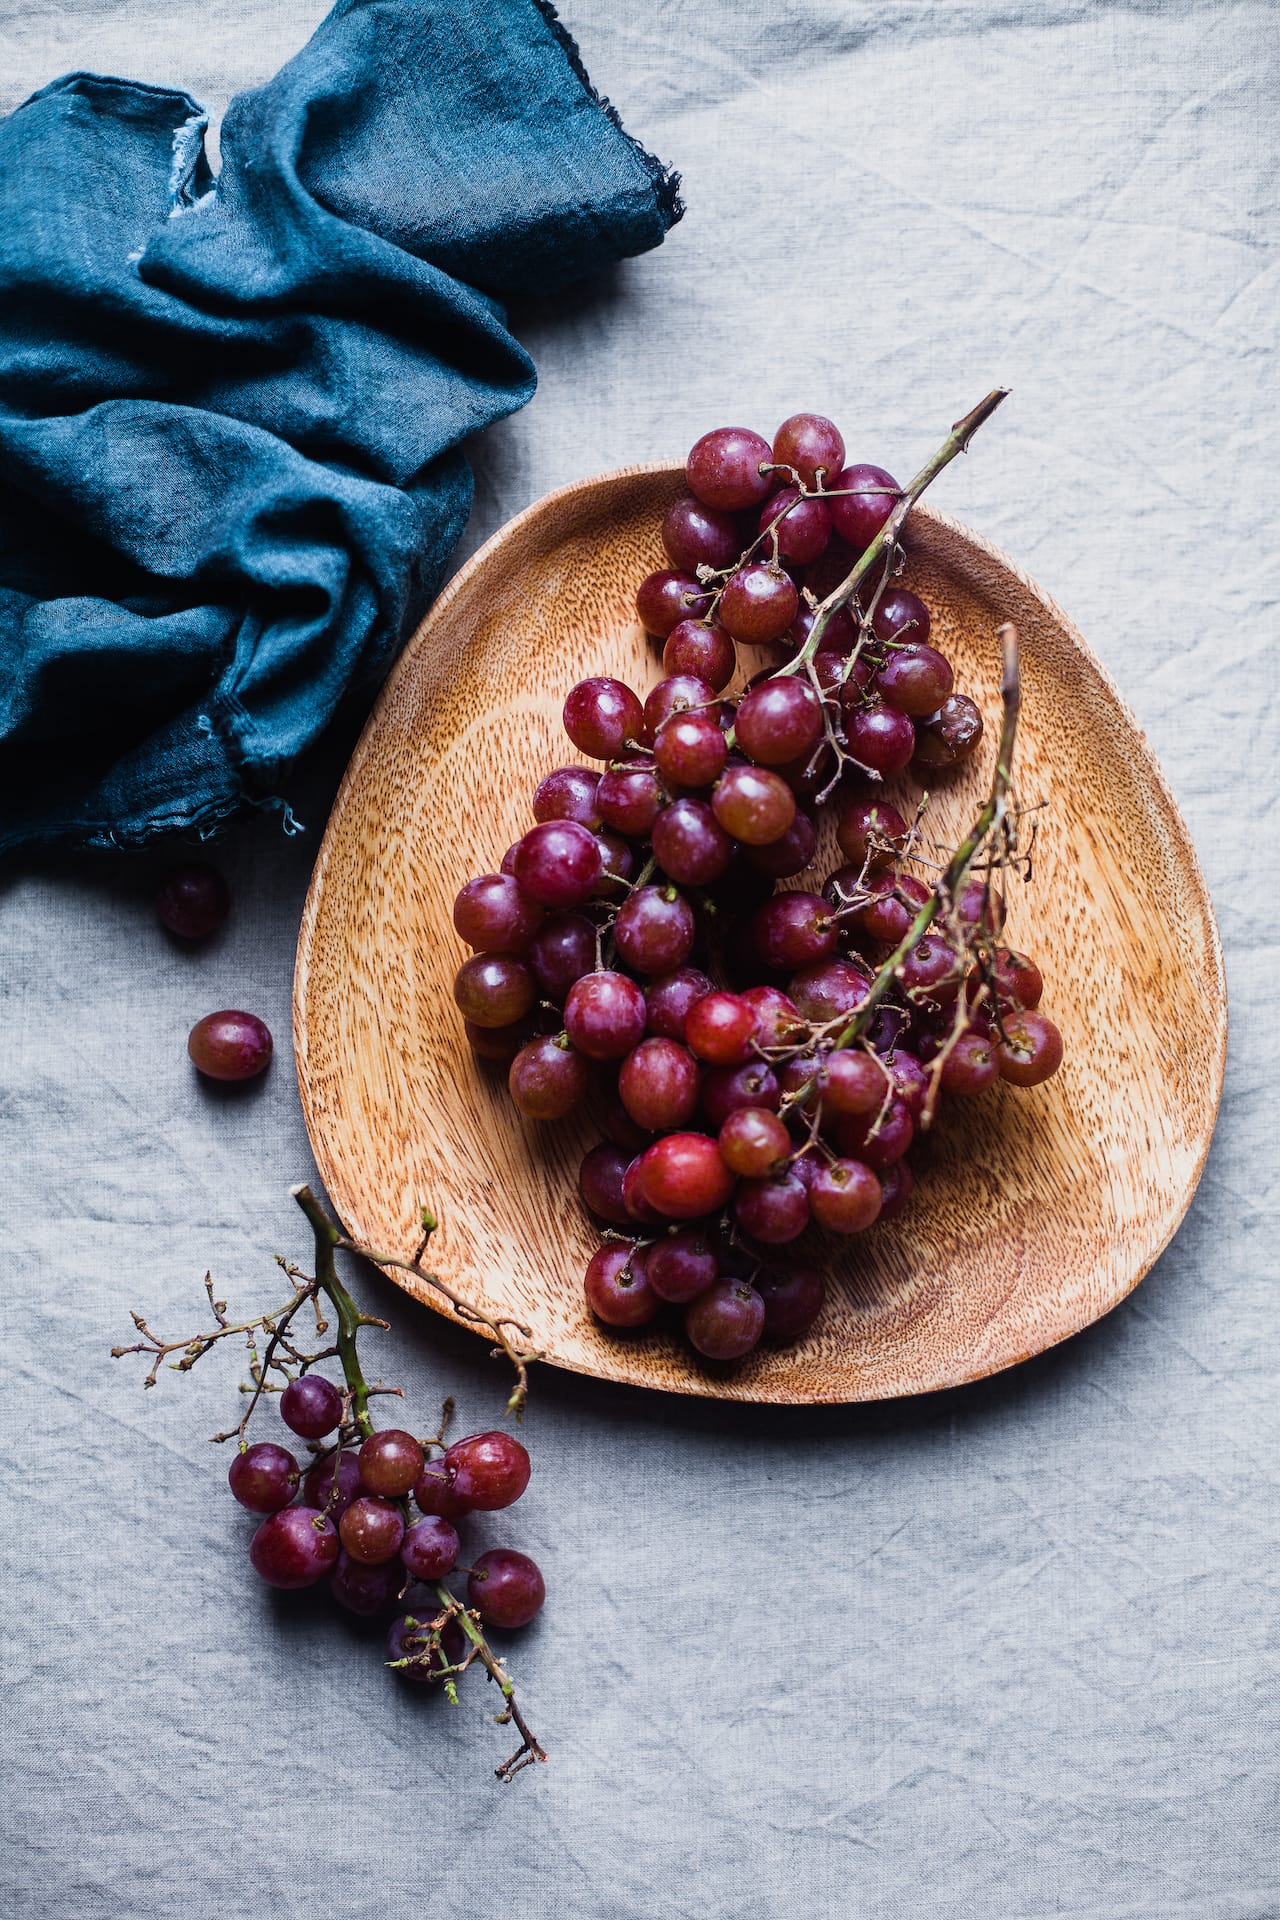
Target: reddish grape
{"x":702,"y":652}
{"x":689,"y":844}
{"x":600,"y":716}
{"x":900,"y":615}
{"x":801,"y":525}
{"x":683,"y":1176}
{"x":547,"y":1078}
{"x":434,"y":1492}
{"x":879,"y":1138}
{"x":230,"y":1045}
{"x":758,"y":604}
{"x":638,"y":1208}
{"x":844,"y":1196}
{"x":720,"y":1029}
{"x":618,"y":863}
{"x":678,"y":693}
{"x":980,"y":904}
{"x":493,"y":989}
{"x":752,"y":1141}
{"x":600,"y":1182}
{"x":562,"y":950}
{"x":777,"y":1016}
{"x":667,"y":1001}
{"x":1017,"y":979}
{"x":950,"y":735}
{"x":756,"y":806}
{"x":505,"y":1588}
{"x":620,"y":1127}
{"x":568,"y":793}
{"x":915,"y":679}
{"x":604,"y":1015}
{"x":880,"y":737}
{"x":726,"y":1321}
{"x":723,"y":469}
{"x":294,"y":1548}
{"x":658,"y":1085}
{"x":832,"y":989}
{"x":812,"y":445}
{"x":490,"y":1470}
{"x":794,"y":930}
{"x":311,"y":1407}
{"x":558,"y":862}
{"x":430,"y":1548}
{"x":932,"y":968}
{"x":896,"y":1183}
{"x":664,"y":599}
{"x":971,"y":1064}
{"x":494,"y":915}
{"x":896,"y":898}
{"x":366,"y":1590}
{"x":371,"y":1530}
{"x":870,"y":831}
{"x":867,"y":496}
{"x":726,"y":1089}
{"x":853,"y":1082}
{"x":618,"y":1290}
{"x":689,"y":750}
{"x":499,"y":1043}
{"x":390,"y":1462}
{"x":791,"y":853}
{"x":696,"y":535}
{"x":793,"y":1299}
{"x":264,"y":1477}
{"x":333,"y":1483}
{"x":193,"y":901}
{"x":774,"y":1210}
{"x":802,"y":1079}
{"x":1031,"y":1049}
{"x":682,"y":1265}
{"x":629,"y":799}
{"x":778,"y":721}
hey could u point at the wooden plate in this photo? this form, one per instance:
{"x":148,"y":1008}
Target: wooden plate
{"x":1034,"y":1213}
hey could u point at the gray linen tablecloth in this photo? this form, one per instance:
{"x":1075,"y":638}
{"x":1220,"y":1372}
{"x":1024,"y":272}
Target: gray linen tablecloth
{"x":1008,"y":1652}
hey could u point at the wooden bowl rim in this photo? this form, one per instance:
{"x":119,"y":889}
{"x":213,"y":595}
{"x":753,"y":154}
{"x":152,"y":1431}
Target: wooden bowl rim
{"x":711,"y":1388}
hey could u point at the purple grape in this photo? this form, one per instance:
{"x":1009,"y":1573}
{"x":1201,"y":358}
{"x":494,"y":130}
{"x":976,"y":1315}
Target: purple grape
{"x":311,"y":1407}
{"x":726,"y":1321}
{"x":604,"y":1015}
{"x":230,"y":1045}
{"x":333,"y":1483}
{"x":505,"y":1588}
{"x":689,"y":844}
{"x":294,"y":1548}
{"x":558,"y":863}
{"x":494,"y":915}
{"x":193,"y":901}
{"x":654,"y":930}
{"x":562,"y":950}
{"x":366,"y":1590}
{"x":600,"y":1182}
{"x":264,"y":1478}
{"x":569,"y":794}
{"x":547,"y":1078}
{"x":430,"y":1548}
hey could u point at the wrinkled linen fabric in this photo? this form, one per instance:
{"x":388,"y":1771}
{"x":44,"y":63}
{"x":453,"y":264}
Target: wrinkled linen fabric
{"x":1007,"y":1653}
{"x":232,"y":411}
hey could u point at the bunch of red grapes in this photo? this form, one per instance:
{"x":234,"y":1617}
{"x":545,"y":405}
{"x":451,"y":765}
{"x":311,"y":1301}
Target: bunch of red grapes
{"x":381,"y":1514}
{"x":634,"y":947}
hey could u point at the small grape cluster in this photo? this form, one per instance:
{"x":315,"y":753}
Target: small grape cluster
{"x":763,"y":1059}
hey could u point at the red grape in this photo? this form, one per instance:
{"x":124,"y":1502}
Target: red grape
{"x":752,"y":1142}
{"x":490,"y":1470}
{"x":669,"y":1000}
{"x":558,"y":863}
{"x":844,"y":1196}
{"x":778,"y":721}
{"x":682,"y":1176}
{"x":562,"y":950}
{"x":812,"y":445}
{"x":720,"y":1029}
{"x":366,"y":1590}
{"x":264,"y":1477}
{"x":617,"y":1289}
{"x":430,"y":1548}
{"x":604,"y":1015}
{"x":434,"y":1492}
{"x":950,"y":735}
{"x":880,"y":737}
{"x":971,"y":1064}
{"x":790,"y":853}
{"x":1030,"y":1050}
{"x":493,"y":990}
{"x":390,"y":1462}
{"x":900,"y":615}
{"x":689,"y":750}
{"x":600,"y":1182}
{"x":193,"y":901}
{"x":867,"y":496}
{"x":425,"y":1657}
{"x":915,"y":679}
{"x":801,"y":525}
{"x":630,"y":799}
{"x":756,"y":806}
{"x":702,"y":652}
{"x":567,"y":793}
{"x":371,"y":1530}
{"x":547,"y":1078}
{"x":723,"y":469}
{"x":311,"y":1407}
{"x":658,"y":1085}
{"x":696,"y":535}
{"x":664,"y":599}
{"x":777,"y":1016}
{"x":774,"y":1210}
{"x":230,"y":1045}
{"x":494,"y":915}
{"x":793,"y":1299}
{"x":294,"y":1548}
{"x":726,"y":1089}
{"x":689,"y":844}
{"x":333,"y":1483}
{"x":870,"y":831}
{"x":831,"y":989}
{"x":726,"y":1321}
{"x":678,"y":693}
{"x":758,"y":604}
{"x":794,"y":930}
{"x":505,"y":1588}
{"x":601,"y":715}
{"x":879,"y":1138}
{"x":853,"y":1083}
{"x":682,"y":1265}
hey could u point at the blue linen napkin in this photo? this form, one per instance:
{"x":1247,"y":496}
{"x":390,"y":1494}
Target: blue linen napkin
{"x":231,"y":411}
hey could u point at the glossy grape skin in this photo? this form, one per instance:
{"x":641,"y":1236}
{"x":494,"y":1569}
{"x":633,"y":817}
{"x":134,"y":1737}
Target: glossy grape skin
{"x":264,"y":1478}
{"x":723,"y":469}
{"x":678,"y":693}
{"x":311,"y":1406}
{"x":604,"y":1015}
{"x":777,"y":1015}
{"x":490,"y":1470}
{"x":294,"y":1548}
{"x":810,"y":443}
{"x":493,"y":989}
{"x":931,"y":970}
{"x":600,"y":715}
{"x":600,"y":1182}
{"x":558,"y":863}
{"x":434,"y":1492}
{"x":230,"y":1045}
{"x":618,"y":863}
{"x":726,"y":1321}
{"x":758,"y":604}
{"x":971,"y":1065}
{"x":916,"y":680}
{"x":547,"y":1078}
{"x":409,"y":1639}
{"x":858,"y":515}
{"x":753,"y":1142}
{"x":721,"y":1028}
{"x":568,"y":793}
{"x":753,"y":804}
{"x":658,"y":1085}
{"x":696,"y":535}
{"x":844,"y":1196}
{"x":665,"y":598}
{"x":911,"y":1082}
{"x":726,"y":1089}
{"x":638,"y":1208}
{"x":870,"y":831}
{"x":366,"y":1591}
{"x":682,"y":1265}
{"x":829,"y":989}
{"x":630,"y":799}
{"x":430,"y":1548}
{"x":896,"y":1183}
{"x":689,"y":844}
{"x":617,"y":1288}
{"x":880,"y":737}
{"x":896,"y":900}
{"x":668,"y":1001}
{"x":794,"y":930}
{"x":901,"y":615}
{"x":790,"y":853}
{"x":853,"y":1082}
{"x":390,"y":1462}
{"x":1017,"y":979}
{"x":494,"y":915}
{"x":1030,"y":1049}
{"x":689,"y":750}
{"x":948,"y":736}
{"x":372,"y":1530}
{"x":793,"y":1298}
{"x":801,"y":525}
{"x":878,"y":1138}
{"x":505,"y":1588}
{"x":779,"y":721}
{"x":701,"y":652}
{"x":562,"y":950}
{"x":193,"y":901}
{"x":682,"y":1176}
{"x":333,"y":1483}
{"x":773,"y":1210}
{"x":801,"y":1079}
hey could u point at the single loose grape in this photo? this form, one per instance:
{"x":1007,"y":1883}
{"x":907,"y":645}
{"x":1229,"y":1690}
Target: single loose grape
{"x":311,"y":1407}
{"x":372,"y":1530}
{"x":494,"y":914}
{"x":505,"y":1588}
{"x":490,"y":1470}
{"x":193,"y":901}
{"x":430,"y":1548}
{"x":600,"y":715}
{"x":390,"y":1462}
{"x":617,"y":1288}
{"x":726,"y":1321}
{"x":264,"y":1477}
{"x":724,"y":469}
{"x":811,"y":444}
{"x":548,"y":1078}
{"x":1030,"y":1049}
{"x":493,"y":989}
{"x":230,"y":1045}
{"x":294,"y":1548}
{"x":950,"y":735}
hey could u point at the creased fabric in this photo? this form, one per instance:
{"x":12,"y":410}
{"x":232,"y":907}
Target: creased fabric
{"x":232,"y":411}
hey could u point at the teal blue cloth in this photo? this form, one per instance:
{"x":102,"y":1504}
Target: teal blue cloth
{"x":232,"y":411}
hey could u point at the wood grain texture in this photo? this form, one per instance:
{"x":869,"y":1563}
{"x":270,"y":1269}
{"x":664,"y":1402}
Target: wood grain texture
{"x":1034,"y":1212}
